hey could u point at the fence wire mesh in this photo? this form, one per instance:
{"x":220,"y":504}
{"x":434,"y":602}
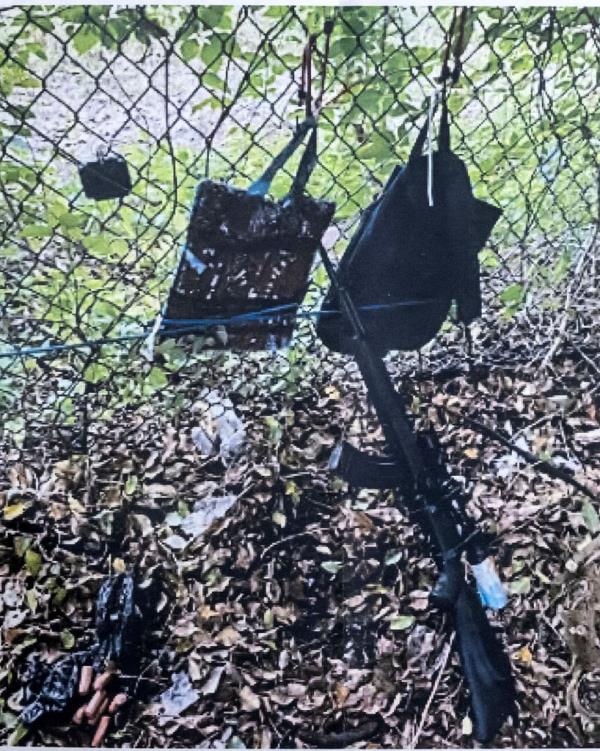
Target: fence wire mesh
{"x":189,"y":92}
{"x":184,"y":93}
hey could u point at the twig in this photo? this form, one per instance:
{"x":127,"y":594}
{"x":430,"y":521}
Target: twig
{"x":425,"y":715}
{"x":542,"y":464}
{"x":284,"y":540}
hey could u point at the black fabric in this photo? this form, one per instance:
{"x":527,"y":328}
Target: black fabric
{"x":106,"y":178}
{"x":412,"y":257}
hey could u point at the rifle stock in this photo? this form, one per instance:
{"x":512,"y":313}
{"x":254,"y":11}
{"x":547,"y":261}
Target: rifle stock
{"x":485,"y":666}
{"x":484,"y":663}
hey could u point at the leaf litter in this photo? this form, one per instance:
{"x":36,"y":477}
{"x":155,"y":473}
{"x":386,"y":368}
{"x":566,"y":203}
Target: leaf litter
{"x":295,"y":611}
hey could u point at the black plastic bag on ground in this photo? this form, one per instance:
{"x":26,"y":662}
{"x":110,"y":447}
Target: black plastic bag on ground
{"x":124,"y":612}
{"x":408,"y":259}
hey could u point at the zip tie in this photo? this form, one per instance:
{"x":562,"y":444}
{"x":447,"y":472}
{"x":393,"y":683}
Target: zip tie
{"x":147,"y":348}
{"x":432,"y":105}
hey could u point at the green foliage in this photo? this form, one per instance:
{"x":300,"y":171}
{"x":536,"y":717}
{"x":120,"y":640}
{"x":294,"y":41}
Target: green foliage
{"x":97,"y":270}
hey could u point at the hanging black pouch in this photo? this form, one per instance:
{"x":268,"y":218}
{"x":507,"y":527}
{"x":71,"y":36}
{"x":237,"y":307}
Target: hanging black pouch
{"x":245,"y":255}
{"x":408,"y":259}
{"x":107,"y":177}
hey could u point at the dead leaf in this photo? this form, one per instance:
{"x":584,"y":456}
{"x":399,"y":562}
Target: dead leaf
{"x":341,"y":693}
{"x":228,"y":636}
{"x":212,"y":683}
{"x":250,"y":702}
{"x":14,"y":510}
{"x":524,"y":655}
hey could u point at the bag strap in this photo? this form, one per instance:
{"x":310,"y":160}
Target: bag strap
{"x":306,"y":166}
{"x":261,"y":186}
{"x":444,"y":134}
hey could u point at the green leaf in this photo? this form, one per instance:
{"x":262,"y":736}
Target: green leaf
{"x":75,"y":219}
{"x":275,"y":429}
{"x":36,"y":230}
{"x":7,"y":719}
{"x":520,"y":586}
{"x":344,"y":47}
{"x":190,"y":49}
{"x":67,"y":639}
{"x":85,"y":39}
{"x":157,"y":378}
{"x":95,"y":373}
{"x":211,"y":51}
{"x":512,"y":294}
{"x":489,"y":259}
{"x":590,"y":517}
{"x":22,"y":545}
{"x":18,"y":734}
{"x":58,"y":596}
{"x":98,"y":244}
{"x":332,"y":567}
{"x":211,"y":80}
{"x":212,"y":15}
{"x":33,"y":562}
{"x":402,"y":622}
{"x":131,"y":484}
{"x":32,"y":599}
{"x":379,"y":148}
{"x":370,"y":100}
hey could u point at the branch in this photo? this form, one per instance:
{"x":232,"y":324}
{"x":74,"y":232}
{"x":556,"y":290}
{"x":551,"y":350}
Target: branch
{"x":545,"y":466}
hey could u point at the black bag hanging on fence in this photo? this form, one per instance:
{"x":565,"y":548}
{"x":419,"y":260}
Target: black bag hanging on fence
{"x":245,"y":253}
{"x":106,"y":177}
{"x":414,"y":252}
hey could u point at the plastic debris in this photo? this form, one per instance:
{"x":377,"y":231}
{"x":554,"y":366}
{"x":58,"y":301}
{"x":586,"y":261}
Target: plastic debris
{"x":58,"y":686}
{"x":179,"y":696}
{"x":221,"y":431}
{"x":206,"y":511}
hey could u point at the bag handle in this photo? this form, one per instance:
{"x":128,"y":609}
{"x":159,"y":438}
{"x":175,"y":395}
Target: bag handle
{"x":261,"y":186}
{"x":305,"y":168}
{"x":445,"y":75}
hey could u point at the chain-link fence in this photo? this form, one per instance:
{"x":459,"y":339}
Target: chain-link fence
{"x":185,"y":93}
{"x":93,"y":425}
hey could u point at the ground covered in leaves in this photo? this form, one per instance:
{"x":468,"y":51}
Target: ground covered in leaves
{"x":290,"y":607}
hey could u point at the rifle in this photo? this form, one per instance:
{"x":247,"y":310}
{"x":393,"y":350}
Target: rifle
{"x":414,"y":466}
